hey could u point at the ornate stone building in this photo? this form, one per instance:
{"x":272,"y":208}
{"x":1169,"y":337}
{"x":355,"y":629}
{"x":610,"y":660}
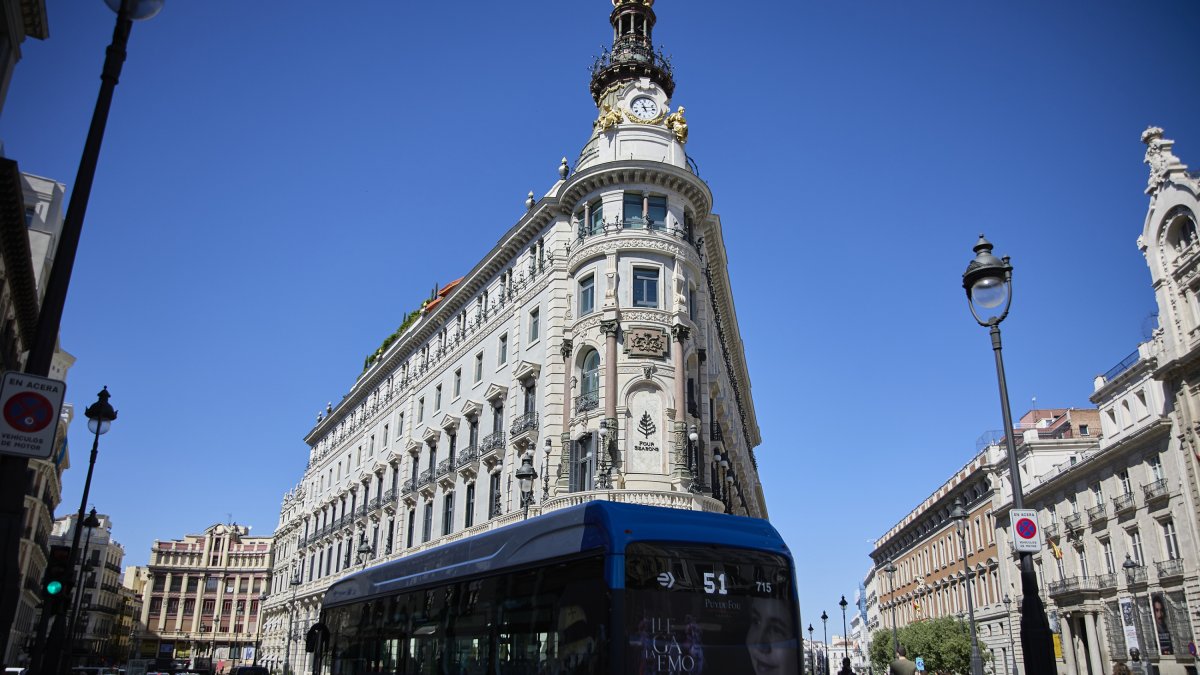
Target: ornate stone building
{"x":597,"y":342}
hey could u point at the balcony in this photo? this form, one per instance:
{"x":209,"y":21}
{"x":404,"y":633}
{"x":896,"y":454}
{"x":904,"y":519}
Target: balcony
{"x":409,"y":486}
{"x":491,"y":443}
{"x":425,"y":478}
{"x":361,"y":512}
{"x":1051,"y":531}
{"x":1105,"y":581}
{"x":1170,"y":568}
{"x":714,"y":432}
{"x":1073,"y":521}
{"x":1136,"y":575}
{"x":467,"y":455}
{"x":1097,"y":514}
{"x":389,"y":496}
{"x":1071,"y":585}
{"x":524,"y":423}
{"x":1156,"y":490}
{"x":444,"y":467}
{"x":374,"y":504}
{"x":587,"y":401}
{"x":1123,"y":503}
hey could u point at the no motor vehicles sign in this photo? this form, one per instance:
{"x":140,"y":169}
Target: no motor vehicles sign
{"x":29,"y":407}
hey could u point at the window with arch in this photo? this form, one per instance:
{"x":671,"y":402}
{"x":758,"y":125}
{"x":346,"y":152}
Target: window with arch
{"x":1181,"y":229}
{"x":589,"y":383}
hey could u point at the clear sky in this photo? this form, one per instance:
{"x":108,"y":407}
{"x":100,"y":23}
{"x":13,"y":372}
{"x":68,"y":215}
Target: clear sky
{"x":282,"y":181}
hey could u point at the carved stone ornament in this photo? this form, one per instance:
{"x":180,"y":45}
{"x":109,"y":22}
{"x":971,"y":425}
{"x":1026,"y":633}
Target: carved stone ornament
{"x":566,"y":347}
{"x":646,"y":342}
{"x":1160,"y":158}
{"x":610,"y":327}
{"x":648,"y":370}
{"x":680,"y":332}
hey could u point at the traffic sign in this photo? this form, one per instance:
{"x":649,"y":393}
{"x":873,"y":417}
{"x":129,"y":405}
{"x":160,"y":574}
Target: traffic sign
{"x":920,"y":664}
{"x":1027,"y":536}
{"x":29,"y":407}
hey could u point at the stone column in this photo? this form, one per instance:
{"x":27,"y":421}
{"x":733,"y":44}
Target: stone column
{"x":610,"y":328}
{"x":1068,"y":642}
{"x":1093,"y":641}
{"x":559,"y":484}
{"x":680,"y":334}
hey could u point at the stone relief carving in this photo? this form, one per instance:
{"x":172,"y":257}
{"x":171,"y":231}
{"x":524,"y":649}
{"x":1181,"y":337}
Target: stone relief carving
{"x":1160,"y":158}
{"x":643,"y":341}
{"x":613,"y":244}
{"x":680,"y":332}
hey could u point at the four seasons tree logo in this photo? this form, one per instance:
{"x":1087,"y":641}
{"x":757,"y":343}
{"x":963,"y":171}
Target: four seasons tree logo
{"x":647,"y":425}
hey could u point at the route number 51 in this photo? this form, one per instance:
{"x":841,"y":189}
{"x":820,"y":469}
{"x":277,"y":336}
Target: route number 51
{"x":715,"y":583}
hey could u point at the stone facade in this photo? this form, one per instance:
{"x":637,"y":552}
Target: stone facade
{"x":597,"y":341}
{"x":203,"y":595}
{"x":98,"y":637}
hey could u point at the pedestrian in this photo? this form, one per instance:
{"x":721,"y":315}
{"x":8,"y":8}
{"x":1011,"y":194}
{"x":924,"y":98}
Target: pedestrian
{"x":1120,"y":669}
{"x":846,"y":669}
{"x":902,"y":666}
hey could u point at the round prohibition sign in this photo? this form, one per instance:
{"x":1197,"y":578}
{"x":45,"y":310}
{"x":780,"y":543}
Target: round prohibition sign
{"x":28,"y":412}
{"x":1026,"y":528}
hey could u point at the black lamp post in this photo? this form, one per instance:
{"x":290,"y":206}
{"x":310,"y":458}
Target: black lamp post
{"x":91,"y":523}
{"x":812,"y":647}
{"x":845,"y":633}
{"x":988,"y":283}
{"x":262,"y":601}
{"x":693,"y":444}
{"x":1008,"y":628}
{"x":825,"y":627}
{"x":526,"y":474}
{"x":959,"y":516}
{"x":890,"y":570}
{"x":1131,"y":566}
{"x":364,"y":550}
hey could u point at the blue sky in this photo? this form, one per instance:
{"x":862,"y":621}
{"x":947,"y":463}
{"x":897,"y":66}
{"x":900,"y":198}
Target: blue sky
{"x":282,"y":181}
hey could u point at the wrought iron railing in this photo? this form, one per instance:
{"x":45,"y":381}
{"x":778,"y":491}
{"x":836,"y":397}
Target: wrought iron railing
{"x":1125,"y":364}
{"x":1156,"y":490}
{"x":1170,"y":568}
{"x":1106,"y":581}
{"x":426,"y":477}
{"x":444,"y":467}
{"x":467,"y":455}
{"x":409,"y":485}
{"x":374,"y":504}
{"x":1124,"y":502}
{"x":714,"y":431}
{"x":1073,"y":521}
{"x":1097,"y":514}
{"x":494,"y":506}
{"x":588,"y":400}
{"x":525,"y":422}
{"x":1072,"y":585}
{"x":1051,"y":531}
{"x":1136,"y":575}
{"x":389,"y":496}
{"x":492,"y":442}
{"x":361,"y":512}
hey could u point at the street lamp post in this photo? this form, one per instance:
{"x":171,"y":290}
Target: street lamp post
{"x":890,"y":570}
{"x":693,"y":460}
{"x":364,"y":550}
{"x":100,"y":416}
{"x":526,"y":474}
{"x":845,"y":633}
{"x":959,"y":516}
{"x":812,"y":648}
{"x":1130,"y":566}
{"x":262,"y":601}
{"x":1008,"y":628}
{"x":91,"y":522}
{"x":988,"y":283}
{"x":41,"y":352}
{"x":825,"y":627}
{"x":287,"y":657}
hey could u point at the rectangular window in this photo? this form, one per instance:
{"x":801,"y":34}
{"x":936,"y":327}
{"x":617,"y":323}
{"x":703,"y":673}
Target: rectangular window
{"x":1156,"y":471}
{"x":631,"y":210}
{"x":502,"y":352}
{"x":447,"y":513}
{"x":587,"y":295}
{"x":597,"y":209}
{"x":1083,"y":430}
{"x":478,"y":367}
{"x":427,"y":526}
{"x":645,"y":287}
{"x":1081,"y":552}
{"x":189,"y":606}
{"x":437,"y":397}
{"x":469,"y":515}
{"x":385,"y":436}
{"x":457,"y":382}
{"x":172,"y":605}
{"x":1098,"y":494}
{"x":531,"y":397}
{"x":498,"y":418}
{"x":420,"y":410}
{"x":1110,"y":561}
{"x":494,"y":495}
{"x":400,"y":425}
{"x":657,"y":215}
{"x":534,"y":315}
{"x":1123,"y":476}
{"x":412,"y":526}
{"x":155,"y":605}
{"x":1135,"y":546}
{"x":209,"y":606}
{"x":1170,"y":540}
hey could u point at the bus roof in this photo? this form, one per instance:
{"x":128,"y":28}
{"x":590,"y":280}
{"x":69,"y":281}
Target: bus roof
{"x":601,"y":526}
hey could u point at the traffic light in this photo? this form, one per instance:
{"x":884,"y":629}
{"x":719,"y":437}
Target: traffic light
{"x":56,"y":583}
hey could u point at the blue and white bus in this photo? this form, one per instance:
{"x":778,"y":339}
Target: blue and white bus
{"x":598,"y":588}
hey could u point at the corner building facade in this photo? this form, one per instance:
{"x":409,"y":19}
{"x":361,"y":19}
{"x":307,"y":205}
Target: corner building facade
{"x":597,"y":343}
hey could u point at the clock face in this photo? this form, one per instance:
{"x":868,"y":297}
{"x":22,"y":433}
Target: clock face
{"x":644,"y":108}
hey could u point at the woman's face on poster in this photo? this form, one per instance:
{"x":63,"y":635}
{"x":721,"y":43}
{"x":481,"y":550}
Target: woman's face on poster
{"x":767,"y":640}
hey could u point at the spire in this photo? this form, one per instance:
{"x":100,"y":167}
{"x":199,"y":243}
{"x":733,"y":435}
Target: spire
{"x":632,"y":55}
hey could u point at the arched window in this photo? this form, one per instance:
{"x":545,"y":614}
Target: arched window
{"x":590,"y":382}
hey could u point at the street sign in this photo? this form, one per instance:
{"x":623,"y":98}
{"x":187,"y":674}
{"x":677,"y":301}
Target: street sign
{"x":29,"y":407}
{"x":920,"y":664}
{"x":1027,"y":536}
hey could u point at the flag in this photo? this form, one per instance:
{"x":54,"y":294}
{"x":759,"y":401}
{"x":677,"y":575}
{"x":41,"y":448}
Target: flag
{"x":1055,"y":549}
{"x":62,"y":452}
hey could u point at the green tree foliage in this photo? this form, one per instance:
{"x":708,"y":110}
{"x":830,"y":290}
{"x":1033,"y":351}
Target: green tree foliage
{"x":944,"y":644}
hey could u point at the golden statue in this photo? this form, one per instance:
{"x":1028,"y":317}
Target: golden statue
{"x":608,"y":119}
{"x":675,"y":122}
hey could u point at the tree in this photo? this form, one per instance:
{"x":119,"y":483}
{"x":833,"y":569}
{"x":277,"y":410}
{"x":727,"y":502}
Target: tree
{"x":944,"y":644}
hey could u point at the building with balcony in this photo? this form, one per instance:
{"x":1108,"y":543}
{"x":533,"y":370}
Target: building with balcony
{"x":97,"y":637}
{"x":203,"y":595}
{"x":598,"y":338}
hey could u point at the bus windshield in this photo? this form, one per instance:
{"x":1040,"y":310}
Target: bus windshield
{"x":706,"y":609}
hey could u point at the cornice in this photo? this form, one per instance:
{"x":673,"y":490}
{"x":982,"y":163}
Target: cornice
{"x":610,"y":174}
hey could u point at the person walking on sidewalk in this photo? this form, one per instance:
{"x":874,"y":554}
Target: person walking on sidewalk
{"x":902,"y":666}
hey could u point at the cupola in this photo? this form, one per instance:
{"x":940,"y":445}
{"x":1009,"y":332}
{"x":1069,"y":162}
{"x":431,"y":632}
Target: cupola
{"x":632,"y":55}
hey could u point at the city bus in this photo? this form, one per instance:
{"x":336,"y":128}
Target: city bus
{"x":597,"y":588}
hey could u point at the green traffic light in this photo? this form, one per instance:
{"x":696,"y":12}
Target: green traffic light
{"x":54,"y":587}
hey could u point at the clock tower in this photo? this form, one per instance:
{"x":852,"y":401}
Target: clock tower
{"x":632,"y":85}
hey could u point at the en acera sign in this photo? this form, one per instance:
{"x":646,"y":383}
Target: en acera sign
{"x":1027,"y":536}
{"x":29,"y":408}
